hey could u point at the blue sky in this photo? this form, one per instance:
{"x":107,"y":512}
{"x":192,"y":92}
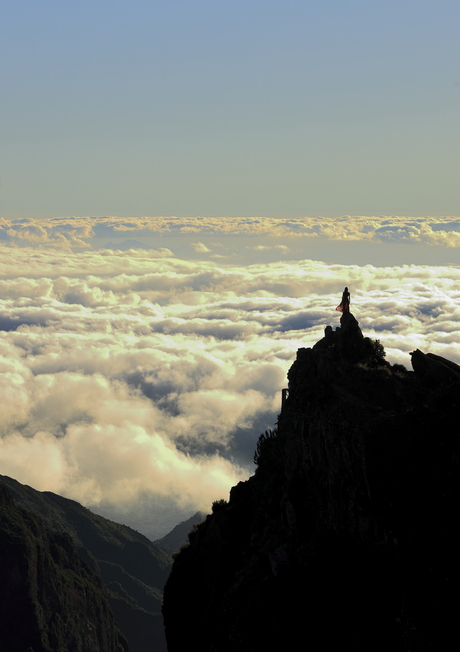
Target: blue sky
{"x":229,"y":108}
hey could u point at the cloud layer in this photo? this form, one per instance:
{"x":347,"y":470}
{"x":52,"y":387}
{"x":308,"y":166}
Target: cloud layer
{"x":78,"y":232}
{"x":131,"y":372}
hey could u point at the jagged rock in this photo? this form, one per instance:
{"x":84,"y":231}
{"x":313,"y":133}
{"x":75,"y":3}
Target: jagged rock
{"x":347,"y":534}
{"x":433,"y":369}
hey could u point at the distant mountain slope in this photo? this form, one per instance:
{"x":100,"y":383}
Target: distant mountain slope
{"x":133,"y":568}
{"x":50,"y":601}
{"x":174,"y":540}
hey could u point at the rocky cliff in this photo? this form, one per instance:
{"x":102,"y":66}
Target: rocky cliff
{"x":348,"y":532}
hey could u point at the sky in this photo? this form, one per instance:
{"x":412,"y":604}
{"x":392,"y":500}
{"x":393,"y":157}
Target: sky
{"x":254,"y":107}
{"x":185,"y":189}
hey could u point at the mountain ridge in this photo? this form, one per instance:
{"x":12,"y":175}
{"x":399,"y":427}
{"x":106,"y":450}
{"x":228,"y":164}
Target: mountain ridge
{"x":347,"y":533}
{"x":177,"y":537}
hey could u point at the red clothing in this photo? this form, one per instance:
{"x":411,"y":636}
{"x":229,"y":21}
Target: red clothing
{"x":344,"y":305}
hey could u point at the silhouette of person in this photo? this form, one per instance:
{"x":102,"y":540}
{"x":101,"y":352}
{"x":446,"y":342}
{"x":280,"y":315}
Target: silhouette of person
{"x":344,"y":305}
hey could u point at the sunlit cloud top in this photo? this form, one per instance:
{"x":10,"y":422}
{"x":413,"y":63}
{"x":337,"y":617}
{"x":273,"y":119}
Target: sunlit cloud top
{"x":78,"y":232}
{"x":126,"y":372}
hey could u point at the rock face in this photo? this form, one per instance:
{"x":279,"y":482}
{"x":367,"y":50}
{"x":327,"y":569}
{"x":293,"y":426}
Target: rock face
{"x":347,"y":535}
{"x":50,"y":601}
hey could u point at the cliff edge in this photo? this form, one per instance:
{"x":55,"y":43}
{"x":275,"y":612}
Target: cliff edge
{"x":348,"y":532}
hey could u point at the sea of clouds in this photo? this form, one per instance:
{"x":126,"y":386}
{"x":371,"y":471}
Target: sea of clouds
{"x":78,"y":231}
{"x":135,"y":371}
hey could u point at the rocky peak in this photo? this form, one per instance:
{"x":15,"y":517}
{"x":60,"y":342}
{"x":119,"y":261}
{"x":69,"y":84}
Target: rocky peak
{"x":347,"y":534}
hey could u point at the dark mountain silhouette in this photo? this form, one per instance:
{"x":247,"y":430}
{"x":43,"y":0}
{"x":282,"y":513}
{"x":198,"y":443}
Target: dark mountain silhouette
{"x":347,"y":535}
{"x":50,"y":601}
{"x":133,"y":569}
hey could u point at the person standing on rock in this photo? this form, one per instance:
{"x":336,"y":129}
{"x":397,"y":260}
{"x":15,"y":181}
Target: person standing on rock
{"x":344,"y":305}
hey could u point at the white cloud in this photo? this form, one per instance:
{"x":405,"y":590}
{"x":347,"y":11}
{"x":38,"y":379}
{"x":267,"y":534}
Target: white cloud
{"x":282,"y":248}
{"x":200,"y":247}
{"x":127,"y":372}
{"x":78,"y":232}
